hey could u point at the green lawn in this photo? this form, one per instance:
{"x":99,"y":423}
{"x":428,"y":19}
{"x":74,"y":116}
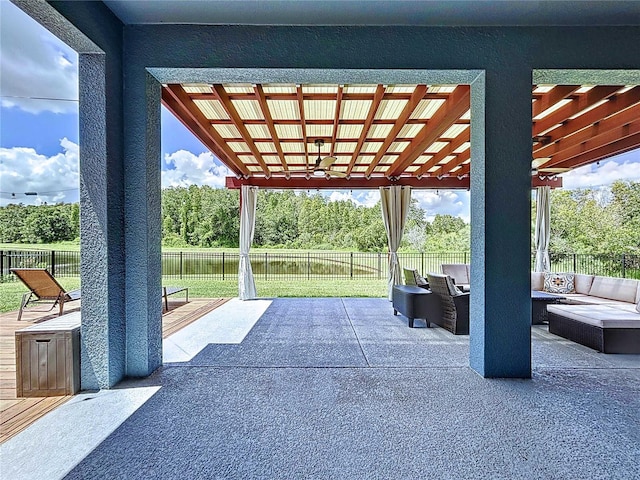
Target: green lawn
{"x":11,"y":292}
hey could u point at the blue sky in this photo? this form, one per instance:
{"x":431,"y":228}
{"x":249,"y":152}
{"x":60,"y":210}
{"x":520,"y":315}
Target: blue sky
{"x":39,"y":132}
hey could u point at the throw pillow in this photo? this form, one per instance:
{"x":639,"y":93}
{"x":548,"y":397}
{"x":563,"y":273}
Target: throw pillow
{"x":559,"y":283}
{"x":420,"y":281}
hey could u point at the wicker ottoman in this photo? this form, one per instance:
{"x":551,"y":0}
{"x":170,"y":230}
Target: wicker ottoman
{"x":415,"y":302}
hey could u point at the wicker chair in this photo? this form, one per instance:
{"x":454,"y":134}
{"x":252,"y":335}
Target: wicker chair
{"x":412,"y":277}
{"x":454,"y":304}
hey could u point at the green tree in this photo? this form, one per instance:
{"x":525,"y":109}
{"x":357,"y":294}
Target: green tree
{"x":48,"y":224}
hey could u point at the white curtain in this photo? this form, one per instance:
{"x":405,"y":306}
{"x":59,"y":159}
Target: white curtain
{"x":246,"y":284}
{"x":395,"y":203}
{"x":542,"y":234}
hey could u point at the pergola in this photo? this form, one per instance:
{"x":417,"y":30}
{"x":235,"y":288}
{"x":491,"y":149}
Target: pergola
{"x":414,"y":135}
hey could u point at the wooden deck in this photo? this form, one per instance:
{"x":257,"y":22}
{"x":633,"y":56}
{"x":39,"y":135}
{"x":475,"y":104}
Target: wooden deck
{"x":16,"y":414}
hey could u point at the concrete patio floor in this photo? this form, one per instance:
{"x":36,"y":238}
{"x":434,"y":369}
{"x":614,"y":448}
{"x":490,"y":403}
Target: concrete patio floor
{"x":341,"y":388}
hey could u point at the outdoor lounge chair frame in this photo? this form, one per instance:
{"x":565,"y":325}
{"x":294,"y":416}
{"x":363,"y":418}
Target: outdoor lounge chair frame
{"x":43,"y":288}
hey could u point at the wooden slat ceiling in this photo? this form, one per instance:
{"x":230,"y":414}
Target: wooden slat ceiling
{"x":412,"y":134}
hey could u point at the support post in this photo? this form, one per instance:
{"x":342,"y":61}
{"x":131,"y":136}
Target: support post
{"x":500,"y":331}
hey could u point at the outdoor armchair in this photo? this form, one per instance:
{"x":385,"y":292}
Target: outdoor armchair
{"x":454,"y":303}
{"x":412,"y":277}
{"x":43,"y":287}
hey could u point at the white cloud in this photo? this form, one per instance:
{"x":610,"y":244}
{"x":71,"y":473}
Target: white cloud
{"x":625,"y":167}
{"x":35,"y":65}
{"x":183,"y":168}
{"x":55,"y":179}
{"x":443,"y":202}
{"x":366,"y":198}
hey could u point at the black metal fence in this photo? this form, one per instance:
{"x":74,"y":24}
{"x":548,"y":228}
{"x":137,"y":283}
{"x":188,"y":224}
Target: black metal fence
{"x":308,"y":264}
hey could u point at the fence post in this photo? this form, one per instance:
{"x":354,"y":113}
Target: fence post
{"x":266,"y":263}
{"x":222,"y":265}
{"x":180,"y":264}
{"x":53,"y":263}
{"x":2,"y":263}
{"x":351,"y":265}
{"x":308,"y":265}
{"x":624,"y":269}
{"x":575,"y":263}
{"x":379,"y":265}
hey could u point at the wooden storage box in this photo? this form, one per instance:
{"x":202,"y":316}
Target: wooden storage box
{"x":48,"y":358}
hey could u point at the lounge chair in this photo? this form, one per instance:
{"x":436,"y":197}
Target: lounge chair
{"x":43,"y":287}
{"x":166,"y":291}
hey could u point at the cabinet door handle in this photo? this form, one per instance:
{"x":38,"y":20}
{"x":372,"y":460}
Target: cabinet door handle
{"x":43,"y":341}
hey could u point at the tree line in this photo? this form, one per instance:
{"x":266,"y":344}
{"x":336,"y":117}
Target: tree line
{"x":589,"y":221}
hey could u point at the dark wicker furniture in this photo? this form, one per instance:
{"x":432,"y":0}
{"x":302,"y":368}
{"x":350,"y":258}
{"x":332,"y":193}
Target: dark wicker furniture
{"x":539,"y":302}
{"x":606,"y":340}
{"x":454,"y":304}
{"x":415,"y":302}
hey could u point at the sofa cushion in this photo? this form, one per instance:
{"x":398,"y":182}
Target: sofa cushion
{"x":458,"y":271}
{"x":638,"y":307}
{"x":537,"y":280}
{"x":580,"y":299}
{"x":559,"y":283}
{"x":602,"y":316}
{"x":623,"y":289}
{"x":583,"y":283}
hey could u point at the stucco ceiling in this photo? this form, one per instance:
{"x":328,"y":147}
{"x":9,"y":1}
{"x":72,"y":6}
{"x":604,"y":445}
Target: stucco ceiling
{"x":379,"y":12}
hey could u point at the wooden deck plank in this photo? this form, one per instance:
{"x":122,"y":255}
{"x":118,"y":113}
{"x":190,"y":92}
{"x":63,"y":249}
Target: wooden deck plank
{"x":16,"y":414}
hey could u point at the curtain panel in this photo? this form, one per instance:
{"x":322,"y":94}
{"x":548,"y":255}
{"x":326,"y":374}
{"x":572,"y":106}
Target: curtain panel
{"x":395,"y":202}
{"x":543,"y":229}
{"x":246,"y":283}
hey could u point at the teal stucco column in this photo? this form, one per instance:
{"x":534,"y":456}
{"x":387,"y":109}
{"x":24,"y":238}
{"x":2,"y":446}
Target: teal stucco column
{"x":500,"y":324}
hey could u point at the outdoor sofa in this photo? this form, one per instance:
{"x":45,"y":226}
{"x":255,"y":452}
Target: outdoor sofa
{"x":599,"y":312}
{"x":460,"y":273}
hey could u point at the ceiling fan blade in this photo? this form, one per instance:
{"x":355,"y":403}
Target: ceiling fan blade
{"x":326,"y":162}
{"x":335,"y":173}
{"x":553,"y":170}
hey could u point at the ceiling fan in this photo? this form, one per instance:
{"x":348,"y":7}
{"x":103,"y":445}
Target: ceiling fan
{"x":322,"y":167}
{"x":550,"y":170}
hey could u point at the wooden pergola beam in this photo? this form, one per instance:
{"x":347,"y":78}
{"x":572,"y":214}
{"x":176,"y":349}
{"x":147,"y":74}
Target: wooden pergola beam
{"x":597,"y":130}
{"x":458,"y":180}
{"x":615,"y":104}
{"x":303,"y":125}
{"x":264,"y":106}
{"x":549,"y":99}
{"x":180,"y":104}
{"x":320,"y":96}
{"x":358,"y":183}
{"x":336,"y":120}
{"x":631,"y":142}
{"x":446,"y":168}
{"x":447,"y":114}
{"x":583,"y":102}
{"x":595,"y":142}
{"x":377,"y":98}
{"x":416,"y":97}
{"x":221,"y":93}
{"x":445,"y":152}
